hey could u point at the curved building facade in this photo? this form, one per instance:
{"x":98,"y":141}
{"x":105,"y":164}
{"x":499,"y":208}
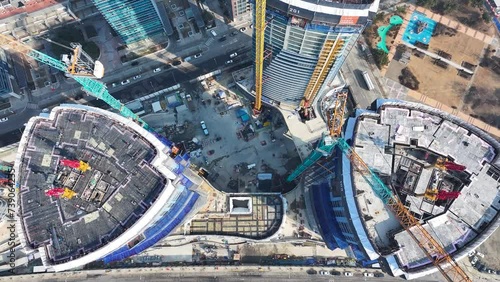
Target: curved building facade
{"x":444,"y":170}
{"x":306,"y":42}
{"x":133,"y":195}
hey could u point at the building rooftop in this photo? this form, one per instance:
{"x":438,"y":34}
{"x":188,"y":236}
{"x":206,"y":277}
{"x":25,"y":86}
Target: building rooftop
{"x":134,"y":193}
{"x":404,"y":143}
{"x":97,"y":213}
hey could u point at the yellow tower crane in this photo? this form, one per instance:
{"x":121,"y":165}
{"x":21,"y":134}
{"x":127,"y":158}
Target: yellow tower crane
{"x":260,"y":26}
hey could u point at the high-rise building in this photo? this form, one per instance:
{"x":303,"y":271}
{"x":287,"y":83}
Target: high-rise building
{"x":239,"y":9}
{"x":132,"y":20}
{"x":306,"y":44}
{"x":5,"y":83}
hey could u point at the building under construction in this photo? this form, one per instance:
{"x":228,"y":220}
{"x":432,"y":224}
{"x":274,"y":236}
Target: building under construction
{"x":95,"y":185}
{"x":306,"y":43}
{"x":444,"y":171}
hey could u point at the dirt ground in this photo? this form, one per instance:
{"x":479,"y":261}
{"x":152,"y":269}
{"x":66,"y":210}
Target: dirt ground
{"x":443,"y":85}
{"x":461,"y":47}
{"x":471,"y":17}
{"x":484,"y":100}
{"x":490,"y":251}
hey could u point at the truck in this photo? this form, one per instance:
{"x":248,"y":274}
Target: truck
{"x":368,"y":81}
{"x":190,"y":103}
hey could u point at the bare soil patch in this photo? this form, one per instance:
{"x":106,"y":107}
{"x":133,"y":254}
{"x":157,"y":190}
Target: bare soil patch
{"x":482,"y":101}
{"x":460,"y":46}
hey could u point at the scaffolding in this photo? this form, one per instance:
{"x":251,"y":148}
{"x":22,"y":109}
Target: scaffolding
{"x":329,"y":52}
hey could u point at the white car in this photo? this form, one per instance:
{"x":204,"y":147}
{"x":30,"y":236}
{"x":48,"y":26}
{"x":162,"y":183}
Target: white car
{"x":125,"y":82}
{"x":113,"y":84}
{"x":348,"y":274}
{"x":197,"y":55}
{"x":137,"y":76}
{"x":324,"y":272}
{"x":204,"y":127}
{"x":157,"y":70}
{"x":233,"y":55}
{"x":229,"y":62}
{"x":4,"y":119}
{"x":368,"y":274}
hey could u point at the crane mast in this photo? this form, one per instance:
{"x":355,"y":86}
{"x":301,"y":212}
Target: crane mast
{"x":260,"y":26}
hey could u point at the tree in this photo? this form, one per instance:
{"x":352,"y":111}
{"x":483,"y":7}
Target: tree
{"x":475,"y":3}
{"x":486,"y":17}
{"x":427,"y":3}
{"x":381,"y":58}
{"x":401,"y":10}
{"x":378,"y":17}
{"x":449,"y":6}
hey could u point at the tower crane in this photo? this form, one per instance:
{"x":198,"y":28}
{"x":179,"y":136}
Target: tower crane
{"x":81,"y":75}
{"x":430,"y":246}
{"x":79,"y":63}
{"x":260,"y":26}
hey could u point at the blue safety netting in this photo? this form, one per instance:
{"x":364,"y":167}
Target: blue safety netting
{"x":186,"y":182}
{"x":330,"y":229}
{"x":162,"y":139}
{"x":179,"y":169}
{"x":161,"y":228}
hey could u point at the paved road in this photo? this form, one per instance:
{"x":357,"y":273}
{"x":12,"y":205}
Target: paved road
{"x":213,"y":57}
{"x":174,"y":75}
{"x":158,"y":274}
{"x":354,"y":65}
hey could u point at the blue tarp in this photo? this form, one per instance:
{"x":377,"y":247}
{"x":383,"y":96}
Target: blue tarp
{"x":160,"y":229}
{"x":330,"y":229}
{"x":243,"y":114}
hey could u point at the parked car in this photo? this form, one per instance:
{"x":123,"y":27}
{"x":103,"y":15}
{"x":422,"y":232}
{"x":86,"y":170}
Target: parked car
{"x":4,"y":119}
{"x":368,"y":274}
{"x":157,"y":70}
{"x":336,"y":273}
{"x":233,"y":55}
{"x":137,"y":76}
{"x":243,"y":29}
{"x":197,"y":55}
{"x":125,"y":82}
{"x":213,"y":33}
{"x":229,"y":62}
{"x":204,"y":127}
{"x":187,"y":59}
{"x":251,"y":26}
{"x":233,"y":33}
{"x":378,"y":274}
{"x":222,"y":39}
{"x":113,"y":84}
{"x":474,"y":260}
{"x":348,"y":274}
{"x":324,"y":272}
{"x":176,"y":63}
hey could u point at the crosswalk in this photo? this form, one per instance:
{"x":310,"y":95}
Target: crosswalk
{"x":32,"y":106}
{"x":209,"y":41}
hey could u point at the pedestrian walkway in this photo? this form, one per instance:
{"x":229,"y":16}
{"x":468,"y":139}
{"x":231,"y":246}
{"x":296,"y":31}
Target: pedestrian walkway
{"x":456,"y":25}
{"x":435,"y":56}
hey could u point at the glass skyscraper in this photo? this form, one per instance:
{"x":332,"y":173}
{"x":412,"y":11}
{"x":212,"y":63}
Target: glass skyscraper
{"x":132,"y":20}
{"x":306,"y":44}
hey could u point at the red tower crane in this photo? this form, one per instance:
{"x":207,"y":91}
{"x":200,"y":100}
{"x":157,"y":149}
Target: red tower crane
{"x":76,"y":164}
{"x":65,"y":193}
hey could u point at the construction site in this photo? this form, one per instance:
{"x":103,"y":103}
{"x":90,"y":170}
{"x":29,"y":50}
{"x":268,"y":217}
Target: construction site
{"x":399,"y":186}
